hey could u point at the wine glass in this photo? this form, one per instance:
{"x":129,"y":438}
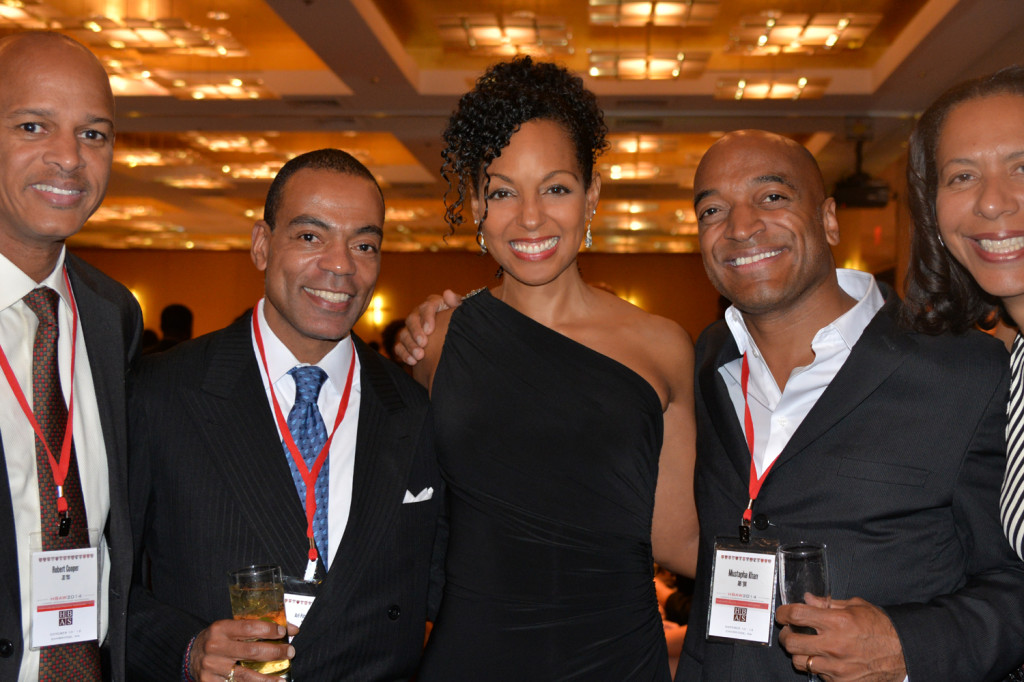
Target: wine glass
{"x":803,"y":569}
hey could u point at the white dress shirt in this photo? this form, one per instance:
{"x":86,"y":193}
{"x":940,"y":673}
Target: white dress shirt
{"x":342,"y":456}
{"x":778,"y":414}
{"x":17,"y":333}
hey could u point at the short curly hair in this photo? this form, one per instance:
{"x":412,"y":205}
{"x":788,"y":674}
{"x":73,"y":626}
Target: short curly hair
{"x":941,"y":295}
{"x":508,"y":95}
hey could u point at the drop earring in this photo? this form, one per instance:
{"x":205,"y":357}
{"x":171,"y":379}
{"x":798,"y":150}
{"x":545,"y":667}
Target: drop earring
{"x":588,"y":241}
{"x":939,"y":235}
{"x":480,"y":236}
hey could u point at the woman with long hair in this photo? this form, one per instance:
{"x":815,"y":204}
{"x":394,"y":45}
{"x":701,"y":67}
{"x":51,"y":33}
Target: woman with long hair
{"x":966,"y":186}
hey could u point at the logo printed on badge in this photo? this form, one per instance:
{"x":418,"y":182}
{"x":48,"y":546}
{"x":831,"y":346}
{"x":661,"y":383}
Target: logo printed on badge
{"x":65,"y":617}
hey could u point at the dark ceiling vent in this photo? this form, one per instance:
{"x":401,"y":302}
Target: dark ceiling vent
{"x":642,"y":103}
{"x":636,"y":124}
{"x":301,"y":102}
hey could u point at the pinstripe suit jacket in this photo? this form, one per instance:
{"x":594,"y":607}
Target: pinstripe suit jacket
{"x":211,"y":491}
{"x":897,"y":469}
{"x":112,"y":329}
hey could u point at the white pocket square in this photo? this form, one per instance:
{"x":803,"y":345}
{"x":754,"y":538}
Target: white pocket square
{"x":423,"y":496}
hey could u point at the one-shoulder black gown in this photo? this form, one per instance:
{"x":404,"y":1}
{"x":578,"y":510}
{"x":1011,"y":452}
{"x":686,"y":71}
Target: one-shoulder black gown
{"x":550,"y":451}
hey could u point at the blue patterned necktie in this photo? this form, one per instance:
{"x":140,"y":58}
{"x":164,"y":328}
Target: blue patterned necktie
{"x":310,"y":434}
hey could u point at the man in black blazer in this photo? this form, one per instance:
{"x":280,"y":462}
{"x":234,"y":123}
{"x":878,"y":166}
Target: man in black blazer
{"x":885,"y":445}
{"x":211,"y":486}
{"x":56,"y":147}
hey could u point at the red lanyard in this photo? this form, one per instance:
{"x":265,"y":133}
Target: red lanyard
{"x":754,"y":487}
{"x":59,"y":468}
{"x":309,"y":476}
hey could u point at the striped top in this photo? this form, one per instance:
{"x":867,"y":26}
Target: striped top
{"x":1011,"y":497}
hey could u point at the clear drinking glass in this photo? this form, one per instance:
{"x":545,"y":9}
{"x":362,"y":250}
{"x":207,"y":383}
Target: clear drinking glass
{"x":803,"y":569}
{"x":257,"y":592}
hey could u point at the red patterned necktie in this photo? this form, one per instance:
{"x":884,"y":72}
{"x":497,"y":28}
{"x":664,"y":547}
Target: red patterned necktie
{"x":81,"y":660}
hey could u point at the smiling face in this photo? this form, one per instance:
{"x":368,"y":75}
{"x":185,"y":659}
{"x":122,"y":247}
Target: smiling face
{"x":980,"y":192}
{"x":56,"y":144}
{"x":536,"y":204}
{"x":321,"y":259}
{"x":765,"y":225}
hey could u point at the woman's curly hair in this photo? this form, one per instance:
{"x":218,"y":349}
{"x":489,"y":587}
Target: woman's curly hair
{"x":941,"y":295}
{"x":508,"y":95}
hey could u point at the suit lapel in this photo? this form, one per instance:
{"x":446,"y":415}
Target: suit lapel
{"x":108,"y":365}
{"x":378,"y":486}
{"x":881,"y":349}
{"x":239,"y":430}
{"x":719,"y":405}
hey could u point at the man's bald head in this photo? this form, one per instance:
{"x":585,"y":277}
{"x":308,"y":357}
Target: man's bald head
{"x":745,"y":141}
{"x":56,"y":145}
{"x":764,"y":222}
{"x":20,"y":46}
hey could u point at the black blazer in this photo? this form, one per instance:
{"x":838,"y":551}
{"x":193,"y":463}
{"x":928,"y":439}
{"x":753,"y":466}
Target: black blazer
{"x":897,"y":469}
{"x":112,"y":329}
{"x":211,"y":491}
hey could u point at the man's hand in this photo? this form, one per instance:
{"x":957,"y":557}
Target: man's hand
{"x":855,"y":640}
{"x":420,"y":324}
{"x":219,"y":647}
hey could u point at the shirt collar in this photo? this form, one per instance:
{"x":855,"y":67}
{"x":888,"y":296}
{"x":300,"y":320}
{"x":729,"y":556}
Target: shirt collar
{"x":15,"y":284}
{"x":861,"y":286}
{"x":280,"y":360}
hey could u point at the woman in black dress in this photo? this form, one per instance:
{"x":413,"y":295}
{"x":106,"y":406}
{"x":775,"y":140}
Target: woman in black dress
{"x":564,"y":415}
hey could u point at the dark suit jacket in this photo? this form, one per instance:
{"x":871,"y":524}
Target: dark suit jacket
{"x":897,"y":469}
{"x":112,"y":327}
{"x":211,"y":491}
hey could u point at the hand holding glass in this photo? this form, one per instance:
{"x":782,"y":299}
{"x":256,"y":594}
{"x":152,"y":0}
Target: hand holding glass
{"x":257,"y":592}
{"x":803,"y":569}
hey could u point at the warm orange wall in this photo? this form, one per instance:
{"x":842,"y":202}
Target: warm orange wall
{"x":218,"y":286}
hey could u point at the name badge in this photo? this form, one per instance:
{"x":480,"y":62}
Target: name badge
{"x":296,"y":606}
{"x":742,"y":604}
{"x":65,"y":585}
{"x":299,"y":595}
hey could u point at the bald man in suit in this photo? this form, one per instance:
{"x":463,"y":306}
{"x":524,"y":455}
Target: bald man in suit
{"x":56,"y":147}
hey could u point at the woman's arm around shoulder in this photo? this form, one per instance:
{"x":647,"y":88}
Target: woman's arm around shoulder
{"x":423,"y":371}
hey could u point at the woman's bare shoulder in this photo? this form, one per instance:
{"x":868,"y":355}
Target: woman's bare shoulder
{"x":667,"y":334}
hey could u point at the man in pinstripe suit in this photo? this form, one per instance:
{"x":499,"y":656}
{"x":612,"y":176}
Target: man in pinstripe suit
{"x":213,"y":488}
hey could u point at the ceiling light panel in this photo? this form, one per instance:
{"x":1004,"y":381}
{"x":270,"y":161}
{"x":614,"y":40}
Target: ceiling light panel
{"x":629,"y":13}
{"x":504,"y":35}
{"x":162,"y":36}
{"x":653,"y":65}
{"x":771,"y":32}
{"x":24,"y":15}
{"x":771,"y":88}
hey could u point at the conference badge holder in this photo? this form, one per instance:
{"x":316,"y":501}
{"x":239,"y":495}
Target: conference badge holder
{"x":299,"y":595}
{"x":64,"y":594}
{"x":742,"y":592}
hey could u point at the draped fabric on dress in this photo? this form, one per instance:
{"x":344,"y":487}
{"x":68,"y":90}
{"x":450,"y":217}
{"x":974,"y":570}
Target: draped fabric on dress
{"x":550,"y":451}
